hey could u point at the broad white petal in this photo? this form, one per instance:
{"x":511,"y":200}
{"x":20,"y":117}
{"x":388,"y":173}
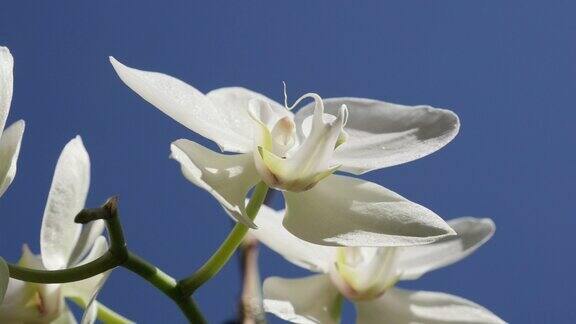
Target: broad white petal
{"x":344,"y":211}
{"x":308,"y":300}
{"x":414,"y":261}
{"x":6,"y":84}
{"x":307,"y":255}
{"x":4,"y":278}
{"x":87,"y":288}
{"x":399,"y":306}
{"x":226,"y":177}
{"x":10,"y":142}
{"x":382,"y":134}
{"x":67,"y":196}
{"x":225,"y":124}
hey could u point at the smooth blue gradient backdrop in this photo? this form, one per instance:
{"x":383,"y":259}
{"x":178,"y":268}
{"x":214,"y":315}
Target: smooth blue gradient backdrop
{"x":508,"y":68}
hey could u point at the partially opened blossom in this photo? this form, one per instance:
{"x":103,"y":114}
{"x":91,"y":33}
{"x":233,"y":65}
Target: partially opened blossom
{"x":64,"y":244}
{"x":367,"y":277}
{"x":298,"y":154}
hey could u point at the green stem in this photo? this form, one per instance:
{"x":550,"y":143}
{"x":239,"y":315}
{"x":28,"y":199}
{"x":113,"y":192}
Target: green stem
{"x":104,"y":263}
{"x":117,"y":255}
{"x":165,"y":284}
{"x":209,"y":269}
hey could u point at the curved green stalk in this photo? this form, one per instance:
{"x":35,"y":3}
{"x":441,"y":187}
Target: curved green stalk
{"x":117,"y":255}
{"x":227,"y":248}
{"x":104,"y":263}
{"x":165,"y":284}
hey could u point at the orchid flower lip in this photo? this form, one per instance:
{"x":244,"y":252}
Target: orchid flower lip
{"x":288,"y":165}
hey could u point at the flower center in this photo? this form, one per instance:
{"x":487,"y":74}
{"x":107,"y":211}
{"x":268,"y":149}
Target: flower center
{"x":364,"y":273}
{"x":287,"y":162}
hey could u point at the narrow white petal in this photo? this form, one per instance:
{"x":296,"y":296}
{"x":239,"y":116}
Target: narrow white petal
{"x":414,"y":261}
{"x":219,"y":121}
{"x":344,"y":211}
{"x":87,"y":288}
{"x":382,"y":134}
{"x":6,"y":84}
{"x":308,"y":300}
{"x":90,"y":232}
{"x":10,"y":142}
{"x":4,"y":278}
{"x":271,"y":232}
{"x":226,"y":177}
{"x":66,"y":198}
{"x":91,"y":312}
{"x":399,"y":306}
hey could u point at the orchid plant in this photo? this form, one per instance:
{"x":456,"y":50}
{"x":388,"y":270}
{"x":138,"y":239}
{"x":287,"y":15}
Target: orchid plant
{"x":361,"y":237}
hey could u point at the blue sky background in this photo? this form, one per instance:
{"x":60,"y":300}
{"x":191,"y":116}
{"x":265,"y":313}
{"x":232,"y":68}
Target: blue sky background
{"x":508,"y":68}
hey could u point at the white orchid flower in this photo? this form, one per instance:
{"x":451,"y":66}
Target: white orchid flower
{"x":297,"y":153}
{"x":11,"y":137}
{"x":10,"y":140}
{"x":367,"y":277}
{"x":64,"y":244}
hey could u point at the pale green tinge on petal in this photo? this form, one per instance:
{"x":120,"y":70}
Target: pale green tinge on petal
{"x":382,"y":134}
{"x":308,"y":300}
{"x":344,"y":211}
{"x":363,"y":273}
{"x":399,"y":306}
{"x":59,"y":234}
{"x":226,"y":177}
{"x":414,"y":261}
{"x":10,"y":142}
{"x":4,"y":278}
{"x":6,"y":84}
{"x":301,"y":167}
{"x":272,"y":233}
{"x":234,"y":106}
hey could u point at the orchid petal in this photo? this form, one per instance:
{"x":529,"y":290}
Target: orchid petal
{"x":399,"y":306}
{"x":67,"y":317}
{"x":221,"y":115}
{"x":344,"y":211}
{"x":231,"y":99}
{"x":87,"y":288}
{"x":24,"y":300}
{"x":91,"y":313}
{"x":365,"y":272}
{"x":272,"y":233}
{"x":59,"y":233}
{"x":10,"y":142}
{"x":226,"y":177}
{"x":90,"y":232}
{"x":6,"y":84}
{"x":312,"y":299}
{"x":382,"y":134}
{"x":414,"y":261}
{"x":4,"y":278}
